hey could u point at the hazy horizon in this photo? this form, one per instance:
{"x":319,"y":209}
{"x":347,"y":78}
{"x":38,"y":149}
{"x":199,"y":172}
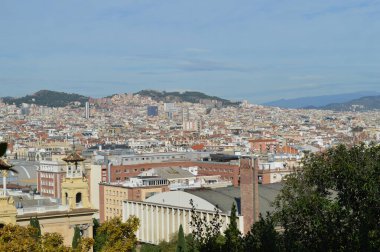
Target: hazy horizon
{"x":255,"y":50}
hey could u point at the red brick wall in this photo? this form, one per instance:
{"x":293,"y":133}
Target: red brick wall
{"x":249,"y":192}
{"x":101,"y":203}
{"x":227,"y":171}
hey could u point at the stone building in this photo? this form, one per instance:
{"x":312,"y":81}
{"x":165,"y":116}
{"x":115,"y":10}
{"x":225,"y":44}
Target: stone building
{"x":75,"y":210}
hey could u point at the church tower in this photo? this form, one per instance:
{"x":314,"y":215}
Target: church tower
{"x":249,"y":191}
{"x":75,"y":190}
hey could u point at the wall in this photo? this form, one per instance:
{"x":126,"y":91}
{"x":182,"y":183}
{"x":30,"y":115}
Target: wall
{"x":160,"y":222}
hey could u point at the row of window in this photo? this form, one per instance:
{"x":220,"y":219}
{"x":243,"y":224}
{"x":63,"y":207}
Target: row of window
{"x":113,"y":211}
{"x":216,"y":169}
{"x":46,"y":175}
{"x":152,"y":158}
{"x":116,"y":193}
{"x":49,"y":191}
{"x":47,"y":183}
{"x":114,"y":202}
{"x":130,"y":170}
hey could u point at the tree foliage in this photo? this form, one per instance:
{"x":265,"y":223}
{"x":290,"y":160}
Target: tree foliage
{"x":117,"y":235}
{"x":206,"y":234}
{"x":53,"y":242}
{"x":17,"y":238}
{"x":181,"y":243}
{"x":233,"y":239}
{"x":333,"y":203}
{"x":76,"y":237}
{"x":263,"y":236}
{"x":36,"y":224}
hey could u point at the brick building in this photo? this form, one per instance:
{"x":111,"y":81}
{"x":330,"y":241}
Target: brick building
{"x":264,"y":145}
{"x":227,"y":170}
{"x":50,"y":175}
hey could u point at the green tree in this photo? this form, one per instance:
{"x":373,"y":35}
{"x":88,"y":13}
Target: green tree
{"x":36,"y":224}
{"x":181,"y":243}
{"x":18,"y":239}
{"x":333,"y":203}
{"x":76,"y":238}
{"x":206,"y":234}
{"x":169,"y":246}
{"x":263,"y":236}
{"x":233,"y":239}
{"x":85,"y":244}
{"x":118,"y":235}
{"x":149,"y":248}
{"x":100,"y":239}
{"x":52,"y":242}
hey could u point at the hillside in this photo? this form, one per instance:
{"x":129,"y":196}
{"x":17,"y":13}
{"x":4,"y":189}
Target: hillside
{"x":318,"y":101}
{"x":47,"y":98}
{"x":362,"y":104}
{"x":187,"y":96}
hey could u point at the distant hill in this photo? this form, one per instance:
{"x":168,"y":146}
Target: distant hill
{"x":318,"y":101}
{"x":47,"y":98}
{"x":187,"y":96}
{"x":362,"y":104}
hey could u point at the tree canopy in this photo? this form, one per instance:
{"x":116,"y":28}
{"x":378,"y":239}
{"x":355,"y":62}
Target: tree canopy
{"x":17,"y":238}
{"x":233,"y":239}
{"x":115,"y":235}
{"x":333,"y":203}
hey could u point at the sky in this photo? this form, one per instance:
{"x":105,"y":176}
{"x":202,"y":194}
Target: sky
{"x":258,"y":50}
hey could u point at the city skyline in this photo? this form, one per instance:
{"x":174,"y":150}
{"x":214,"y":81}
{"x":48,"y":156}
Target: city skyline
{"x":265,"y":51}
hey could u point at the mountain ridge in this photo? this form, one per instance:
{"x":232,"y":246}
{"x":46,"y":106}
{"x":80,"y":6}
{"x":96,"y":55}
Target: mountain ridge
{"x":365,"y":103}
{"x":186,"y":96}
{"x":61,"y":99}
{"x":318,"y":101}
{"x":47,"y":98}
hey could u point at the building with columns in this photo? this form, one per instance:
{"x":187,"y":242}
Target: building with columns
{"x":161,"y":214}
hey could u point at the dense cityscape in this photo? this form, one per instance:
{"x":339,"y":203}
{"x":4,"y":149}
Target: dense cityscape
{"x":130,"y":155}
{"x":190,"y":126}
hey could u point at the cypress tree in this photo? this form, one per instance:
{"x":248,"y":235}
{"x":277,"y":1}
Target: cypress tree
{"x":233,"y":240}
{"x":76,"y":237}
{"x":181,"y":243}
{"x":36,"y":224}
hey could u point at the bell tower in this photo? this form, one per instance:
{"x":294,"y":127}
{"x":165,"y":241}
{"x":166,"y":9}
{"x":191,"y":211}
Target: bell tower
{"x":75,"y":191}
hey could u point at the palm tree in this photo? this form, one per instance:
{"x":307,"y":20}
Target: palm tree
{"x":4,"y":166}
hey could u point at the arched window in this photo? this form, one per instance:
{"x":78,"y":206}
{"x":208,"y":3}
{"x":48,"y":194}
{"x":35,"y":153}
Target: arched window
{"x":78,"y":199}
{"x":67,"y":198}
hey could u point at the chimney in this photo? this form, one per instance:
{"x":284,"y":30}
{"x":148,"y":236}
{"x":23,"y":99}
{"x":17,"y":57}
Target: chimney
{"x":249,"y":191}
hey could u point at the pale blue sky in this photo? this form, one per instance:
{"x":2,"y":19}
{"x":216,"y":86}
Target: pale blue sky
{"x":258,"y":50}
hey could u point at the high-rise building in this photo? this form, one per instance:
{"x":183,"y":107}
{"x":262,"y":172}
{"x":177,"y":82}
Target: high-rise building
{"x":87,"y":110}
{"x":152,"y":111}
